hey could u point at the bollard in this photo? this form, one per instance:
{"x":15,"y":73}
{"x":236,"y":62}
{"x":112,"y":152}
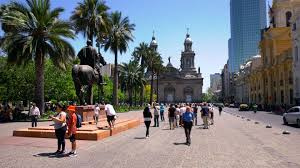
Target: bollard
{"x":269,"y":126}
{"x":286,"y":132}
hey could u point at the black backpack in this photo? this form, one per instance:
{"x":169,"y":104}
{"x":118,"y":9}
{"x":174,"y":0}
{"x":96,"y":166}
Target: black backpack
{"x":79,"y":121}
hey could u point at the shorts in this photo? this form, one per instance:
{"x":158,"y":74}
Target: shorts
{"x":110,"y":118}
{"x":72,"y":138}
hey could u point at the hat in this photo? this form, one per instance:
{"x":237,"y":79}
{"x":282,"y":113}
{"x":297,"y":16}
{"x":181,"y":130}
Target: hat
{"x":71,"y":108}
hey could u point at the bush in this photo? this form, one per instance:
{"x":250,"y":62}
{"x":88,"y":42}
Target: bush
{"x":126,"y":108}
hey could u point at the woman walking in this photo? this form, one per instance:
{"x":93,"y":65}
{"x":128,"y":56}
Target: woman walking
{"x":187,"y":118}
{"x":156,"y":115}
{"x":60,"y":128}
{"x":147,"y":119}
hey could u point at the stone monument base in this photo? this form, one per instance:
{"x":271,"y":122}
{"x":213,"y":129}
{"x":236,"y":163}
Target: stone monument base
{"x":86,"y":132}
{"x":87,"y":112}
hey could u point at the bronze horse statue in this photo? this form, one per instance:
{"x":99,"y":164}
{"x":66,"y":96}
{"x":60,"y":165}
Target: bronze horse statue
{"x":84,"y":76}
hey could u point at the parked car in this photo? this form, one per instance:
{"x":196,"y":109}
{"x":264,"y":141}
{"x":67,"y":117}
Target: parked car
{"x":231,"y":106}
{"x":292,"y":116}
{"x":244,"y":107}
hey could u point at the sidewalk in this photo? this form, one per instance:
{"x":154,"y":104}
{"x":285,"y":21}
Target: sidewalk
{"x":231,"y":143}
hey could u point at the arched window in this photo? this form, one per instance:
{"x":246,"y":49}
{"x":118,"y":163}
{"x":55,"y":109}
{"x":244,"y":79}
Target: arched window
{"x":288,"y":16}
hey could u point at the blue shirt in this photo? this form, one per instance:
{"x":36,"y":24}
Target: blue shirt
{"x":162,"y":108}
{"x":188,"y":116}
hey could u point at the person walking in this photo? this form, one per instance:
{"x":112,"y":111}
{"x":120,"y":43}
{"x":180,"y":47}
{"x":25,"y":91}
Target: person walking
{"x":147,"y":119}
{"x":171,"y":115}
{"x":205,"y":115}
{"x":156,"y":116}
{"x":96,"y":113}
{"x":220,"y":110}
{"x":211,"y":112}
{"x":254,"y":108}
{"x":110,"y":114}
{"x":181,"y":110}
{"x":195,"y":111}
{"x":34,"y":114}
{"x":162,"y":112}
{"x":72,"y":129}
{"x":187,"y":118}
{"x":60,"y":128}
{"x":177,"y":116}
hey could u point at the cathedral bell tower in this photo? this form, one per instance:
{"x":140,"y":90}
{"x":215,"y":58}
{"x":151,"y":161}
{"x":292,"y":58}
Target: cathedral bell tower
{"x":153,"y":43}
{"x":188,"y":57}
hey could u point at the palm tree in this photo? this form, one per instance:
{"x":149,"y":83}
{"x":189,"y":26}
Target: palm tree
{"x":91,"y":19}
{"x":36,"y":33}
{"x":153,"y":61}
{"x":130,"y":78}
{"x":140,"y":53}
{"x":119,"y":35}
{"x":158,"y":68}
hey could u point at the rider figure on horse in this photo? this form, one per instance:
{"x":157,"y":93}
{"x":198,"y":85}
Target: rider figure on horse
{"x":89,"y":56}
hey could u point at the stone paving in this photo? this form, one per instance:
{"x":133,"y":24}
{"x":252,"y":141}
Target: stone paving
{"x":232,"y":142}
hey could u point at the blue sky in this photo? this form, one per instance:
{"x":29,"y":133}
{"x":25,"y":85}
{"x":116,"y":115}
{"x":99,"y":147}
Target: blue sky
{"x":208,"y":21}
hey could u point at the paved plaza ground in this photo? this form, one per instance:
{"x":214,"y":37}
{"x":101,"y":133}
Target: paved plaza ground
{"x":232,"y":142}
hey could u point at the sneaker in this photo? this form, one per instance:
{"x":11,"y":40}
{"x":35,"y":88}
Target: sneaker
{"x":61,"y":153}
{"x":72,"y":154}
{"x":56,"y":153}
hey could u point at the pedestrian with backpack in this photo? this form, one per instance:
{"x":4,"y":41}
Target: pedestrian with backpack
{"x":73,"y":123}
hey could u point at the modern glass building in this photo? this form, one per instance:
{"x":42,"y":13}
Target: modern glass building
{"x":247,"y":18}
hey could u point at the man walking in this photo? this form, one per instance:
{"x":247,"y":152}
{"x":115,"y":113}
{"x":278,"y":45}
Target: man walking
{"x":187,"y":118}
{"x":34,"y":113}
{"x":195,"y":110}
{"x":110,"y":114}
{"x":171,"y":115}
{"x":205,"y":115}
{"x":162,"y":112}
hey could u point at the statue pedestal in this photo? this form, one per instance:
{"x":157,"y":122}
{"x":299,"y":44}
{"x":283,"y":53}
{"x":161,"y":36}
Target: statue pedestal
{"x":87,"y":112}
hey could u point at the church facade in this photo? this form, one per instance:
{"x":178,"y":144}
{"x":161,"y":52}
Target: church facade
{"x":184,"y":84}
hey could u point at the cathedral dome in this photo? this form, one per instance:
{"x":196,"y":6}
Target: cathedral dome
{"x":153,"y":42}
{"x":188,"y":39}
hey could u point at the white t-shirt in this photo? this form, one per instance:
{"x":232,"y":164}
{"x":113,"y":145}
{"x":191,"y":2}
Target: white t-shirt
{"x":97,"y":110}
{"x":57,"y":124}
{"x":110,"y":111}
{"x":182,"y":110}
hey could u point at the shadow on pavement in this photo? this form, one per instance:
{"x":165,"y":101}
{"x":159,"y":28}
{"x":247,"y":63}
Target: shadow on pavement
{"x":139,"y":137}
{"x":50,"y":155}
{"x":176,"y":143}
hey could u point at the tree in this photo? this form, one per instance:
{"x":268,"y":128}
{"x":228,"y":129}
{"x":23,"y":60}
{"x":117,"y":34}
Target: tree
{"x":140,"y":53}
{"x":35,"y":33}
{"x":91,"y":19}
{"x":153,"y":61}
{"x":119,"y":35}
{"x":130,"y":78}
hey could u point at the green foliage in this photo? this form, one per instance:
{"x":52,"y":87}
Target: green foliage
{"x":16,"y":83}
{"x":209,"y":96}
{"x":119,"y":35}
{"x":125,"y":108}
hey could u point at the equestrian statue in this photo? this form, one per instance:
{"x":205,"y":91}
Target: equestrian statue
{"x":87,"y":73}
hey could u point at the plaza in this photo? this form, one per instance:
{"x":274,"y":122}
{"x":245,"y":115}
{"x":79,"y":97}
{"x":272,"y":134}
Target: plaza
{"x":231,"y":142}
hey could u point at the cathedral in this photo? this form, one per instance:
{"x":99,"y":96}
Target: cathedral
{"x":182,"y":84}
